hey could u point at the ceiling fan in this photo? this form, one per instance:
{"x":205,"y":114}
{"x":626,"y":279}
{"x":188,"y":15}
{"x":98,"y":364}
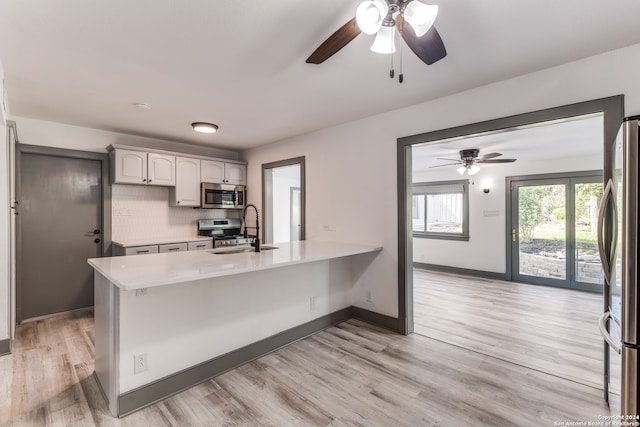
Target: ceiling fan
{"x":412,"y":18}
{"x":469,"y":159}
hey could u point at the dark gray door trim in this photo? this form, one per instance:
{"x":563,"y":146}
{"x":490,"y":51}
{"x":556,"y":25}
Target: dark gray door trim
{"x":303,"y":191}
{"x":612,"y":108}
{"x":106,"y":201}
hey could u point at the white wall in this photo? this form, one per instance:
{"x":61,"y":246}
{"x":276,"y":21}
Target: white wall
{"x":5,"y":282}
{"x":60,"y":135}
{"x":284,"y":178}
{"x":486,"y":249}
{"x":351,"y":168}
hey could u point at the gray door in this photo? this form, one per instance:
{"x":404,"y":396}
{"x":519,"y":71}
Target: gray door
{"x":60,"y":218}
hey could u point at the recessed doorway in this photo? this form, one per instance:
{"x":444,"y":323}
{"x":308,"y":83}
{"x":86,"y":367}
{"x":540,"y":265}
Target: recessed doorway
{"x":283,"y":195}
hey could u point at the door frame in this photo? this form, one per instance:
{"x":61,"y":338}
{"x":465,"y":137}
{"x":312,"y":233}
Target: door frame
{"x":613,"y":112}
{"x":287,"y":162}
{"x":511,"y":208}
{"x":103,"y":158}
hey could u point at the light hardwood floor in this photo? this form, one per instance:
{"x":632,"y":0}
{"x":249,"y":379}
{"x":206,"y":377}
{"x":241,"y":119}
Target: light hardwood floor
{"x":353,"y":374}
{"x":549,"y":329}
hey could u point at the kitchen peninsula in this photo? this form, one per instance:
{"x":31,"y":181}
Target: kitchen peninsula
{"x":165,"y":322}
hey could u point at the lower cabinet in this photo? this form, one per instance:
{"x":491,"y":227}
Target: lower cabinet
{"x":174,"y":247}
{"x":198,"y":245}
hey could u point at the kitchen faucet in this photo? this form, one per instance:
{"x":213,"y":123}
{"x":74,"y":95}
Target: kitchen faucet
{"x":256,"y":242}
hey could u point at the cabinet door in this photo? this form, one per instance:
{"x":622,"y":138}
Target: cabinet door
{"x":130,"y":167}
{"x":161,"y":169}
{"x":212,"y":171}
{"x":187,"y":189}
{"x":235,"y":174}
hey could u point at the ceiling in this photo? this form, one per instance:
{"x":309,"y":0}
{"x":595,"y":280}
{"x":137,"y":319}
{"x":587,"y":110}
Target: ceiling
{"x":241,"y":64}
{"x":576,"y":137}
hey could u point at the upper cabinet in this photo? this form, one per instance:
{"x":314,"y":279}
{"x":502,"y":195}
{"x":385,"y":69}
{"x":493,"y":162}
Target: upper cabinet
{"x":235,"y":174}
{"x":223,"y":173}
{"x":187,"y":189}
{"x":161,"y":169}
{"x":139,"y":167}
{"x":212,"y":171}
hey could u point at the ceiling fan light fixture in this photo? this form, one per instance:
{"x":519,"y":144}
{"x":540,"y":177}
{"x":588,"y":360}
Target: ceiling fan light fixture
{"x":204,"y":127}
{"x":474,"y":169}
{"x":385,"y":41}
{"x":369,"y":15}
{"x":461,"y":170}
{"x":420,"y":16}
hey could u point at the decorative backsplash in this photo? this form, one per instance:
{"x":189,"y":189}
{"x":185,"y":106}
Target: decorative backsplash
{"x":143,"y":212}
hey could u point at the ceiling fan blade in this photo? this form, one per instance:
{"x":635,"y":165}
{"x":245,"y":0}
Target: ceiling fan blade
{"x":497,"y":161}
{"x":335,"y":42}
{"x":447,"y":164}
{"x":489,"y":156}
{"x":451,"y":160}
{"x":429,"y":48}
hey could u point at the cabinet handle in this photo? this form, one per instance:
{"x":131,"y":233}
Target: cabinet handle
{"x":142,"y":252}
{"x":144,"y":180}
{"x":200,"y":246}
{"x":178,"y":202}
{"x":174,"y":249}
{"x":97,"y":240}
{"x":149,"y":180}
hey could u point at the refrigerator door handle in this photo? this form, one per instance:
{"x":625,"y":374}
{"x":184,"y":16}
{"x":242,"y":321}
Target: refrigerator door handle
{"x":608,"y":255}
{"x":602,"y":323}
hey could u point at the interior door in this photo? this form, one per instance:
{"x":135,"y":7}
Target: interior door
{"x":554,"y":231}
{"x":59,"y":225}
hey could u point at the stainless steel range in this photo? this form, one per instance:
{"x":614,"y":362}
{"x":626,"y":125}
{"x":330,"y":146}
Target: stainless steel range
{"x":225,"y":232}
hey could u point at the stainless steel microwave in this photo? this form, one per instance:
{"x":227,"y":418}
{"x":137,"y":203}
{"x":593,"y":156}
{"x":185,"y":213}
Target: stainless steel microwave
{"x":222,"y":196}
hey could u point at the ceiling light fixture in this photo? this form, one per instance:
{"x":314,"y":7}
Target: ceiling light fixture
{"x":378,"y":16}
{"x":142,"y":105}
{"x":470,"y":169}
{"x":204,"y":127}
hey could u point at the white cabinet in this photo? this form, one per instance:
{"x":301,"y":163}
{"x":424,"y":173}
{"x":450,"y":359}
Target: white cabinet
{"x":211,"y":171}
{"x":129,"y":167}
{"x":135,"y":250}
{"x":187,"y":189}
{"x":200,"y":245}
{"x":161,"y":169}
{"x":235,"y":174}
{"x":139,"y":167}
{"x":223,"y":173}
{"x":173,"y":247}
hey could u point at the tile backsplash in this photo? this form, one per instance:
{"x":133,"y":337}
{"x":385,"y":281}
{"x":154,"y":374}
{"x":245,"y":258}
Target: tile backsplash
{"x":143,"y":212}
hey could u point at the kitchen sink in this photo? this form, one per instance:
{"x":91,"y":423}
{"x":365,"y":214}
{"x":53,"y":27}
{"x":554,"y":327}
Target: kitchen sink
{"x":244,"y":249}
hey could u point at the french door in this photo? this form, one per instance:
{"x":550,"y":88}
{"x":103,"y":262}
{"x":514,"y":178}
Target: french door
{"x":553,"y":236}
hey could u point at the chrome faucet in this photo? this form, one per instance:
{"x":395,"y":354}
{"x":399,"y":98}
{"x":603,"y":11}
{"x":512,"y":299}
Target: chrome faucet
{"x":256,"y":242}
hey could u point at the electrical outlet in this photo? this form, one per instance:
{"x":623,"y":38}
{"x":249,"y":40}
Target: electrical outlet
{"x":313,"y":303}
{"x":369,"y":298}
{"x":141,"y":291}
{"x":140,"y":363}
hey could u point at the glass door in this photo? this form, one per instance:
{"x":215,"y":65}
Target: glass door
{"x":554,"y":231}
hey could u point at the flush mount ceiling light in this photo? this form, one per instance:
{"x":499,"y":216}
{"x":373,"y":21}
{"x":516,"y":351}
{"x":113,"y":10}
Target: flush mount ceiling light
{"x":204,"y":127}
{"x":142,"y":105}
{"x":412,"y":18}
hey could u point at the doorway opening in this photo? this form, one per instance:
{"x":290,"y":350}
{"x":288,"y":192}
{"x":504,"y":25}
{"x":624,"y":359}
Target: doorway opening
{"x":283,"y":196}
{"x":466,"y":271}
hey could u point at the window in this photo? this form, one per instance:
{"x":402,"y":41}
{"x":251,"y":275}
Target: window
{"x":441,"y":210}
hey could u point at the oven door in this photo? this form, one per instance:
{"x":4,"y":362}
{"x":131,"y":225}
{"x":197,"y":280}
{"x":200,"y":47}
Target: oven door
{"x":218,"y":196}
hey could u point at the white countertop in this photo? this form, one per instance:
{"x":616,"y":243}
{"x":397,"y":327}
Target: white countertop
{"x":146,"y":271}
{"x":145,"y":242}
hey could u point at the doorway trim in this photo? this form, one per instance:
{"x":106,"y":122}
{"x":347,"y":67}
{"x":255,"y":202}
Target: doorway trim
{"x":303,"y":191}
{"x":613,"y":113}
{"x":103,"y":158}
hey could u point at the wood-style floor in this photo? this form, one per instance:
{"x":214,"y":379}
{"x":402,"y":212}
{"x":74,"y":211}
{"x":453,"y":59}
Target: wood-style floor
{"x":353,"y":374}
{"x":552,"y":330}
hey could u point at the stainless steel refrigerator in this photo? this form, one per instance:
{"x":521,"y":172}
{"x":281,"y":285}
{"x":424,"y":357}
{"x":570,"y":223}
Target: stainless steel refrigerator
{"x":618,"y":244}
